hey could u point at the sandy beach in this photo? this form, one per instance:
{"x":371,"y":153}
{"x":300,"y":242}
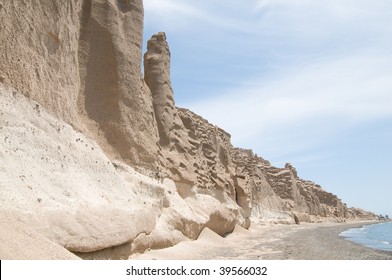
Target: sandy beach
{"x":318,"y":241}
{"x":273,"y":242}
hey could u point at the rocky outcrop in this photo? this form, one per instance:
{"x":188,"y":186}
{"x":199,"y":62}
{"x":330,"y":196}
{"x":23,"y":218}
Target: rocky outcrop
{"x":99,"y":160}
{"x":62,"y":186}
{"x":174,"y":148}
{"x":360,"y":214}
{"x":82,"y":61}
{"x":212,"y":166}
{"x":302,"y":196}
{"x":112,"y":94}
{"x":253,"y":192}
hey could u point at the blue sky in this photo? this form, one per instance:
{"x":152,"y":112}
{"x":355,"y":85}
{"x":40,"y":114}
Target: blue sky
{"x":300,"y":81}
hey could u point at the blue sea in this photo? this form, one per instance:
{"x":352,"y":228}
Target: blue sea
{"x":376,"y":236}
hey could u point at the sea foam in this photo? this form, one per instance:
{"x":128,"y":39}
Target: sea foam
{"x":376,"y":236}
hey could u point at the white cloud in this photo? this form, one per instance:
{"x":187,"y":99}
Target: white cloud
{"x":301,"y":15}
{"x":169,"y":8}
{"x":308,"y":103}
{"x":180,"y":15}
{"x":323,"y":19}
{"x":170,"y":13}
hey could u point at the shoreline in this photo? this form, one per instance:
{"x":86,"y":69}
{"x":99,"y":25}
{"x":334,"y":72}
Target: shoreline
{"x":324,"y":243}
{"x":320,"y":241}
{"x":389,"y":253}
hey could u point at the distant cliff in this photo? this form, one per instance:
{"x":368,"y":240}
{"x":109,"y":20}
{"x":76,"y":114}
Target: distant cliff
{"x":97,"y":156}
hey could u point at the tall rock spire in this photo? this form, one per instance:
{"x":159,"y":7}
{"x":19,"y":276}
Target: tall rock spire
{"x":157,"y":77}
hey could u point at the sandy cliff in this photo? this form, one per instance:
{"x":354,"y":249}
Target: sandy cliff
{"x":81,"y":60}
{"x":96,"y":157}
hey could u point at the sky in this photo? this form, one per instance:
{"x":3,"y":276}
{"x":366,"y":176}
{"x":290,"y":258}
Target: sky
{"x":300,"y":81}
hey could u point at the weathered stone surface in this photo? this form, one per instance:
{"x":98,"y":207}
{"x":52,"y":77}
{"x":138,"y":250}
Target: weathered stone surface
{"x":62,"y":184}
{"x":360,"y":214}
{"x":173,"y":155}
{"x":82,"y":61}
{"x":99,"y":160}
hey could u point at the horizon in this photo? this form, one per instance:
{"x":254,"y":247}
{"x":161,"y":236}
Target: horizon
{"x":306,"y":83}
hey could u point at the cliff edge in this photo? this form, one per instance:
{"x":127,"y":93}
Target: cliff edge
{"x":97,"y":158}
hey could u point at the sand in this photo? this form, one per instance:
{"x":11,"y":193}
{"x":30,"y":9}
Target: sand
{"x":20,"y":242}
{"x":273,"y":242}
{"x":269,"y":242}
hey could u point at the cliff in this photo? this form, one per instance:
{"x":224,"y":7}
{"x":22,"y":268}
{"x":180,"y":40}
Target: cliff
{"x":97,"y":158}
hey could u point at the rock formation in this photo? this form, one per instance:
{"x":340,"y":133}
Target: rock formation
{"x":98,"y":159}
{"x":82,"y":61}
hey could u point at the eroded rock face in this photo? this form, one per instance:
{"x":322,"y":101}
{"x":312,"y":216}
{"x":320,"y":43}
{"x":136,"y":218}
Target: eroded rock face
{"x":174,"y":148}
{"x":264,"y":203}
{"x":82,"y":61}
{"x":302,"y":196}
{"x":39,"y":52}
{"x":194,"y":153}
{"x":77,"y":120}
{"x":360,"y":214}
{"x":213,"y":169}
{"x":157,"y":77}
{"x":62,"y":186}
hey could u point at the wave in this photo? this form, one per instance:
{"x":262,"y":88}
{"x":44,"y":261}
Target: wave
{"x":376,"y":236}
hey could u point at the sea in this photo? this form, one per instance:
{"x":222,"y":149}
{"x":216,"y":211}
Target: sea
{"x":376,"y":236}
